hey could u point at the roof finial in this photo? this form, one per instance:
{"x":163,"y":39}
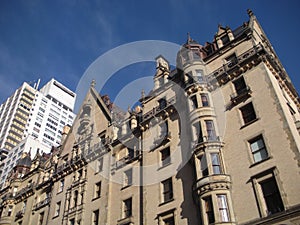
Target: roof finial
{"x":93,"y":83}
{"x":143,"y":93}
{"x":188,"y":37}
{"x":250,"y":13}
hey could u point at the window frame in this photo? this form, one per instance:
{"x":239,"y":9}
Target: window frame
{"x":258,"y":192}
{"x":260,"y":149}
{"x":167,"y":192}
{"x":57,"y":209}
{"x":61,"y":185}
{"x":127,"y":208}
{"x":223,"y":208}
{"x":97,"y":190}
{"x":239,"y":85}
{"x":217,"y":164}
{"x":128,"y":178}
{"x":205,"y":100}
{"x":165,"y":156}
{"x":209,"y":209}
{"x":210,"y":130}
{"x":247,"y":116}
{"x":95,"y":217}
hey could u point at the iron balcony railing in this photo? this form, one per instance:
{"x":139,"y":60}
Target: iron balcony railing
{"x":239,"y":59}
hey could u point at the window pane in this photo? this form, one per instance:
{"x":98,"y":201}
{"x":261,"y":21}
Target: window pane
{"x":209,"y":210}
{"x":204,"y":99}
{"x":272,"y":196}
{"x":167,"y":190}
{"x":248,"y":113}
{"x":257,"y":145}
{"x":223,"y":208}
{"x":258,"y":149}
{"x":210,"y":130}
{"x":204,"y":167}
{"x":216,"y":163}
{"x":260,"y":155}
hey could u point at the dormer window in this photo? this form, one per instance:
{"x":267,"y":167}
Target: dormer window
{"x":225,"y":39}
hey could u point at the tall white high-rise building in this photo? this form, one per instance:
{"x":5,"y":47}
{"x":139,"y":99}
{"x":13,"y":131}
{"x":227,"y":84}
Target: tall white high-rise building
{"x":14,"y":116}
{"x":41,"y":113}
{"x":52,"y":110}
{"x":33,"y":119}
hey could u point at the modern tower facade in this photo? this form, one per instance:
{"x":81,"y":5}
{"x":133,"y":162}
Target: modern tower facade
{"x":14,"y":114}
{"x":40,"y":113}
{"x":53,"y":109}
{"x":216,"y":141}
{"x":33,"y":119}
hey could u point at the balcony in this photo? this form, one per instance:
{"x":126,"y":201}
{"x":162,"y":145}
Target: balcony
{"x":208,"y":141}
{"x":241,"y":95}
{"x":158,"y":109}
{"x":212,"y":182}
{"x":231,"y":66}
{"x":162,"y":139}
{"x":27,"y":191}
{"x":42,"y":203}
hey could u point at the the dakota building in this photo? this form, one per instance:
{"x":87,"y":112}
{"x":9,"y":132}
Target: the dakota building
{"x":216,"y":141}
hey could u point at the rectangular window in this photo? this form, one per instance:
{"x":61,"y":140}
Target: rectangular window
{"x":169,"y":221}
{"x":99,"y":163}
{"x":96,"y":217}
{"x":165,"y":156}
{"x":204,"y":100}
{"x":61,"y":185}
{"x":10,"y":208}
{"x":199,"y":75}
{"x":216,"y":165}
{"x":162,"y":103}
{"x":258,"y":149}
{"x":75,"y":198}
{"x":72,"y":222}
{"x":209,"y":210}
{"x":210,"y":129}
{"x":97,"y":190}
{"x":240,"y":85}
{"x":204,"y":167}
{"x":272,"y":196}
{"x":248,"y":113}
{"x":128,"y":178}
{"x":194,"y":102}
{"x":223,"y":208}
{"x":41,"y":218}
{"x":167,"y":190}
{"x":57,"y":209}
{"x":127,"y":208}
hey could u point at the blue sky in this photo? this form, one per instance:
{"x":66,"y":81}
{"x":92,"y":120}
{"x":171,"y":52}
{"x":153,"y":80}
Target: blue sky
{"x":60,"y":39}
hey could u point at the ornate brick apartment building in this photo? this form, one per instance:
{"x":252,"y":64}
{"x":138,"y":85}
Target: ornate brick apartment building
{"x":216,"y":141}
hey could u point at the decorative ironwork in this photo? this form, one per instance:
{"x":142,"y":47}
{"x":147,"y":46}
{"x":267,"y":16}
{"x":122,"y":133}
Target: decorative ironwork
{"x":241,"y":95}
{"x":42,"y":203}
{"x":226,"y":68}
{"x":158,"y":109}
